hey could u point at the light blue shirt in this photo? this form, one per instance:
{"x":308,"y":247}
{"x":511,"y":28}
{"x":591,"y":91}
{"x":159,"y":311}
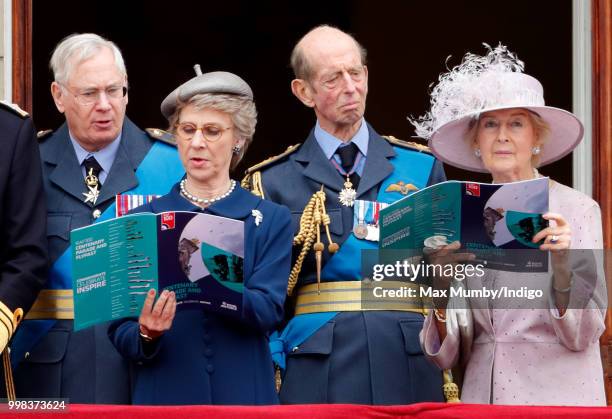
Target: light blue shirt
{"x":105,"y":157}
{"x":329,"y":144}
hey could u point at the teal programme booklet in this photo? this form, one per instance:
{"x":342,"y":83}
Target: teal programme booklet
{"x":116,"y":262}
{"x":495,"y":221}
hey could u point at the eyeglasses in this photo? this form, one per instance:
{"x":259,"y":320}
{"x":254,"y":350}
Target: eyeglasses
{"x":210,"y":132}
{"x":90,"y":96}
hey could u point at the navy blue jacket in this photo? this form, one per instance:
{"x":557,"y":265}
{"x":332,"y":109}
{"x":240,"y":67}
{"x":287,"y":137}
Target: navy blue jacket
{"x":82,"y":366}
{"x":206,"y":358}
{"x":23,"y":248}
{"x":357,"y":357}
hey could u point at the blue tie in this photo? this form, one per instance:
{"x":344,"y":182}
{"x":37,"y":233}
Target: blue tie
{"x":348,"y":154}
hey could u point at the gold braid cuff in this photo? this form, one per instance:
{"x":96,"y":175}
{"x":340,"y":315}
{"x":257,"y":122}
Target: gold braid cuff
{"x":9,"y":321}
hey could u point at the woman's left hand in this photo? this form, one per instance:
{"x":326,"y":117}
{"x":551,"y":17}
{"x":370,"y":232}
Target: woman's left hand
{"x":156,"y":317}
{"x":558,"y":236}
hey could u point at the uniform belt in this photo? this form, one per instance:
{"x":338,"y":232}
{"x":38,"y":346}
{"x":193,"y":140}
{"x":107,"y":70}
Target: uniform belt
{"x":357,"y":296}
{"x":52,"y":304}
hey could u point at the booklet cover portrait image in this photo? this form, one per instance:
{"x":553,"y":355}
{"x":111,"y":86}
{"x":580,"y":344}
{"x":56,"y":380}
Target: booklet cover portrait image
{"x":497,"y":222}
{"x":116,"y":262}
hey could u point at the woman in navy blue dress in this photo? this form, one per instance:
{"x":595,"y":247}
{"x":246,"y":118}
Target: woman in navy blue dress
{"x":196,"y":356}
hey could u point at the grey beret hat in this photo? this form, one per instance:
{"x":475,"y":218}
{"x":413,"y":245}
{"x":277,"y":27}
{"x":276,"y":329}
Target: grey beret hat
{"x":214,"y":82}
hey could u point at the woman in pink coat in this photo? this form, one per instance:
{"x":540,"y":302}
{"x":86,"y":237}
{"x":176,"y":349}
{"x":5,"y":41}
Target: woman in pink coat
{"x":488,"y":116}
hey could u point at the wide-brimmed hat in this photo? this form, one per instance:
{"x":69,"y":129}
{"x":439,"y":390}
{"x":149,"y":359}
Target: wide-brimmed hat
{"x":213,"y":82}
{"x":487,"y":83}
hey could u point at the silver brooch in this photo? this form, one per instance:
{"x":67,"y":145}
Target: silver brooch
{"x":258,"y":216}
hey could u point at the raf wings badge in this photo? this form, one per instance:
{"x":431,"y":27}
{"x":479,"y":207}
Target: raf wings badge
{"x":401,"y":187}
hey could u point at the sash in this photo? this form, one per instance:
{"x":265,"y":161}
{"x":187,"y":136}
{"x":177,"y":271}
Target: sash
{"x":345,"y":265}
{"x":160,"y":169}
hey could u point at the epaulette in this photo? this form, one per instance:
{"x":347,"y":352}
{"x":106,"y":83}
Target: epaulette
{"x":407,"y":144}
{"x":273,"y":159}
{"x":161,"y":135}
{"x":44,"y":134}
{"x":14,"y":109}
{"x":252,"y":175}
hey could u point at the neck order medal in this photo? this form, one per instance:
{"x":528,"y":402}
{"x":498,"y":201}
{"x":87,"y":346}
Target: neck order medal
{"x":347,"y":194}
{"x":93,"y":184}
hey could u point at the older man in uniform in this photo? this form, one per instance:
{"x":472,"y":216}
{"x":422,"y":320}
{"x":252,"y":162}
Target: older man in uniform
{"x":23,"y":248}
{"x":332,"y":351}
{"x":97,"y":154}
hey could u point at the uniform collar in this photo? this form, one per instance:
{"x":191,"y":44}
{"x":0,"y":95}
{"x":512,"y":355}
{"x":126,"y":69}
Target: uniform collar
{"x":57,"y":147}
{"x":329,"y":144}
{"x":105,"y":157}
{"x":377,"y":166}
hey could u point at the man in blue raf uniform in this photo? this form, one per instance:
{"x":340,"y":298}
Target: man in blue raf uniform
{"x":335,"y":182}
{"x":97,"y":154}
{"x":23,"y":248}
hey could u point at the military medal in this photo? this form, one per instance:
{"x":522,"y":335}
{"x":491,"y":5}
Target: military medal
{"x":373,"y":227}
{"x":360,"y":229}
{"x":365,"y":219}
{"x":93,"y":192}
{"x":347,"y":194}
{"x":124,"y":203}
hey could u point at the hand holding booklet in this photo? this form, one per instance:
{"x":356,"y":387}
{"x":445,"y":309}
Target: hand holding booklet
{"x":116,"y":262}
{"x":488,"y":220}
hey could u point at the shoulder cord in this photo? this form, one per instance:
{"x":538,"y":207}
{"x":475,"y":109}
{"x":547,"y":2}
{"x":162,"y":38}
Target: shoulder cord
{"x":252,"y":182}
{"x":310,"y":227}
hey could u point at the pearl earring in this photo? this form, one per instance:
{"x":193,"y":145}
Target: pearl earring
{"x":535,"y":150}
{"x":236,"y":149}
{"x":477,"y":152}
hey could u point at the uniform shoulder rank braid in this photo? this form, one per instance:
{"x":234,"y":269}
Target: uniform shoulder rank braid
{"x":14,"y":108}
{"x":42,"y":135}
{"x":161,"y":135}
{"x":407,"y":144}
{"x":252,"y":176}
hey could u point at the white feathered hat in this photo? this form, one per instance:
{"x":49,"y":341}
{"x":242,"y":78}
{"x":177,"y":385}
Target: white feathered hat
{"x":482,"y":84}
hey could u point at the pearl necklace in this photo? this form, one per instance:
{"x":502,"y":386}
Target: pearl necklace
{"x":206,"y":201}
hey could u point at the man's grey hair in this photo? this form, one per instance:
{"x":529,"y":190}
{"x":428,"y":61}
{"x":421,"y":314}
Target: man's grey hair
{"x":75,"y":49}
{"x":302,"y":69}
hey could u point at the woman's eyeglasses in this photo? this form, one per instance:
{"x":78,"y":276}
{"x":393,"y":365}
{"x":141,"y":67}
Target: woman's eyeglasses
{"x":210,"y":132}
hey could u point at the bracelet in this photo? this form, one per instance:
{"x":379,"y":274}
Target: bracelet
{"x":441,"y":317}
{"x":563,"y":290}
{"x":144,"y":336}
